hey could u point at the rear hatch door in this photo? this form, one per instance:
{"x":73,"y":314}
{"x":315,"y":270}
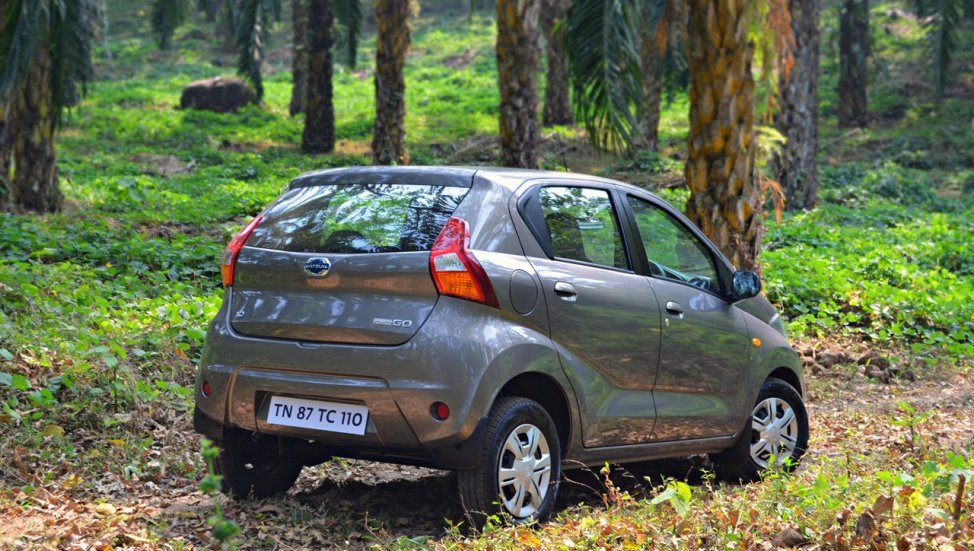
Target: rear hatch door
{"x":344,"y":260}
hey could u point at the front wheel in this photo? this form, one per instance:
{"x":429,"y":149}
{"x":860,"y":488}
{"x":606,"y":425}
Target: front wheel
{"x":776,"y":434}
{"x":520,"y":465}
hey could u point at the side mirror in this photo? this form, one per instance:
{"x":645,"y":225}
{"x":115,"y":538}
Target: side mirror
{"x":744,"y":285}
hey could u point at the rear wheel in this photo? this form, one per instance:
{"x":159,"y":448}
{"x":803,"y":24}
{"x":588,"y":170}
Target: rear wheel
{"x":776,"y":434}
{"x":254,"y":469}
{"x":520,"y":465}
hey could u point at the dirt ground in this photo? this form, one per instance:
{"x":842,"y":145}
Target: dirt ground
{"x":358,"y":504}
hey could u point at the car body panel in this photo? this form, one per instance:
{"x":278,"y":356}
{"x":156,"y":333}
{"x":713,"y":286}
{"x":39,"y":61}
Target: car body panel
{"x":637,"y":383}
{"x":609,"y":337}
{"x":363,"y":299}
{"x":704,"y":357}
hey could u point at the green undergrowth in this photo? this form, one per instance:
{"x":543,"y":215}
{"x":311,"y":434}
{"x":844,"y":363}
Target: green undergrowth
{"x":845,"y":502}
{"x":885,"y":258}
{"x":103,"y":307}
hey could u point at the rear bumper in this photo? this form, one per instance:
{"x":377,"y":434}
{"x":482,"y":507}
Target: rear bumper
{"x":207,"y":426}
{"x":397,"y":384}
{"x":462,"y":455}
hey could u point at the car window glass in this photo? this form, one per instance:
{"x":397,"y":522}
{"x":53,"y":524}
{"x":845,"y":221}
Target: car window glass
{"x":672,"y":250}
{"x":357,"y":218}
{"x":582,"y":225}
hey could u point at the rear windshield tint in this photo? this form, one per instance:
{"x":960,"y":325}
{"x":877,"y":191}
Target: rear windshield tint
{"x":357,"y":218}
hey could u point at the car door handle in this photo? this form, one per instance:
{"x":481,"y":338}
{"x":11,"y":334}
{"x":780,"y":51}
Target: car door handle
{"x":566,"y":291}
{"x":674,"y":308}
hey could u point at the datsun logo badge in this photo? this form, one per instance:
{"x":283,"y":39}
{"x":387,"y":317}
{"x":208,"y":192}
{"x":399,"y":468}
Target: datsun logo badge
{"x":317,"y":266}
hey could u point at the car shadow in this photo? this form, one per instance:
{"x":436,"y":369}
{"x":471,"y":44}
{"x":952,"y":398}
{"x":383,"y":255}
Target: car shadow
{"x":427,"y":502}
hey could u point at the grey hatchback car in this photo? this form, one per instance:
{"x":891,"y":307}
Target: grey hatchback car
{"x":500,"y":323}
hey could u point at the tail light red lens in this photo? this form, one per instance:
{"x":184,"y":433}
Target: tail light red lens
{"x":455,"y":271}
{"x":230,"y":254}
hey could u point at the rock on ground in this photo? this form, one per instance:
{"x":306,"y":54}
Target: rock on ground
{"x":219,"y":94}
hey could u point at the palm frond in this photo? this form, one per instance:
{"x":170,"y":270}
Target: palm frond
{"x":72,"y":41}
{"x":941,"y":27}
{"x":65,"y":30}
{"x":349,"y":15}
{"x":27,"y":22}
{"x":166,"y":17}
{"x":251,"y":29}
{"x":601,"y":41}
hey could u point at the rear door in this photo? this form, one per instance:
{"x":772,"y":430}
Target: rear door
{"x":700,"y":387}
{"x":344,"y":262}
{"x":604,"y":319}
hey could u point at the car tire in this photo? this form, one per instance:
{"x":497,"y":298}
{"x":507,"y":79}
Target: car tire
{"x":780,"y":412}
{"x":521,"y":443}
{"x":254,"y":469}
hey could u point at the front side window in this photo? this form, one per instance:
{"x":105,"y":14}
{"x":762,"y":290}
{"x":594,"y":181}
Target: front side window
{"x":582,"y":225}
{"x":357,"y":218}
{"x":672,"y":250}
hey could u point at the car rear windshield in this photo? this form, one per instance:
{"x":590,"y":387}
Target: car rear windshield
{"x":357,"y":218}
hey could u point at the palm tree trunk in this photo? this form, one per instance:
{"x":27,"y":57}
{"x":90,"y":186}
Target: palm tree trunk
{"x":517,"y":68}
{"x":724,"y":198}
{"x":392,"y":43}
{"x":796,"y":167}
{"x":299,"y":61}
{"x":6,"y":147}
{"x":319,"y":121}
{"x":212,"y":10}
{"x":650,"y":59}
{"x":35,"y":185}
{"x":557,"y":102}
{"x":853,"y":51}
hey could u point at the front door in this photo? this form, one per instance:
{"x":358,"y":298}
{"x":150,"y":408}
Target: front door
{"x":700,"y":388}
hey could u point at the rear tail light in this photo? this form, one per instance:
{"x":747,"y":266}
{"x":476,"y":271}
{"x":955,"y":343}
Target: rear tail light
{"x":455,"y":271}
{"x":230,"y":255}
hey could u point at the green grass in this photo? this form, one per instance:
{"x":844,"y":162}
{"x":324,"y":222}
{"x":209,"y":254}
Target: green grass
{"x":103,"y":306}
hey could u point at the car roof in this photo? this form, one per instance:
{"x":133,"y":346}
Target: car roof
{"x":510,"y":178}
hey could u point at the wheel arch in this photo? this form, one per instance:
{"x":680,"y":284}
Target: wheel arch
{"x":547,"y":392}
{"x":789,"y":376}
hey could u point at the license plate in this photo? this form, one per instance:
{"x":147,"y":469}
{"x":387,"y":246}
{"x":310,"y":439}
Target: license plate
{"x":318,"y":415}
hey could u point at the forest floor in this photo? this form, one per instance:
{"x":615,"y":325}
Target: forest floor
{"x":103,"y":309}
{"x":360,"y":504}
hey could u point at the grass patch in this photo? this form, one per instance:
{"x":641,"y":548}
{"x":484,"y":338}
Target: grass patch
{"x":103,"y":307}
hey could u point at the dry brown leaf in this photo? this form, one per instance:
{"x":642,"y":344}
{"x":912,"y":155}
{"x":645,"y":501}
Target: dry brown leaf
{"x":883,"y":505}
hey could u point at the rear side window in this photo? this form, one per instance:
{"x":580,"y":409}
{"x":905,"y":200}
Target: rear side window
{"x":357,"y":218}
{"x":582,"y":225}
